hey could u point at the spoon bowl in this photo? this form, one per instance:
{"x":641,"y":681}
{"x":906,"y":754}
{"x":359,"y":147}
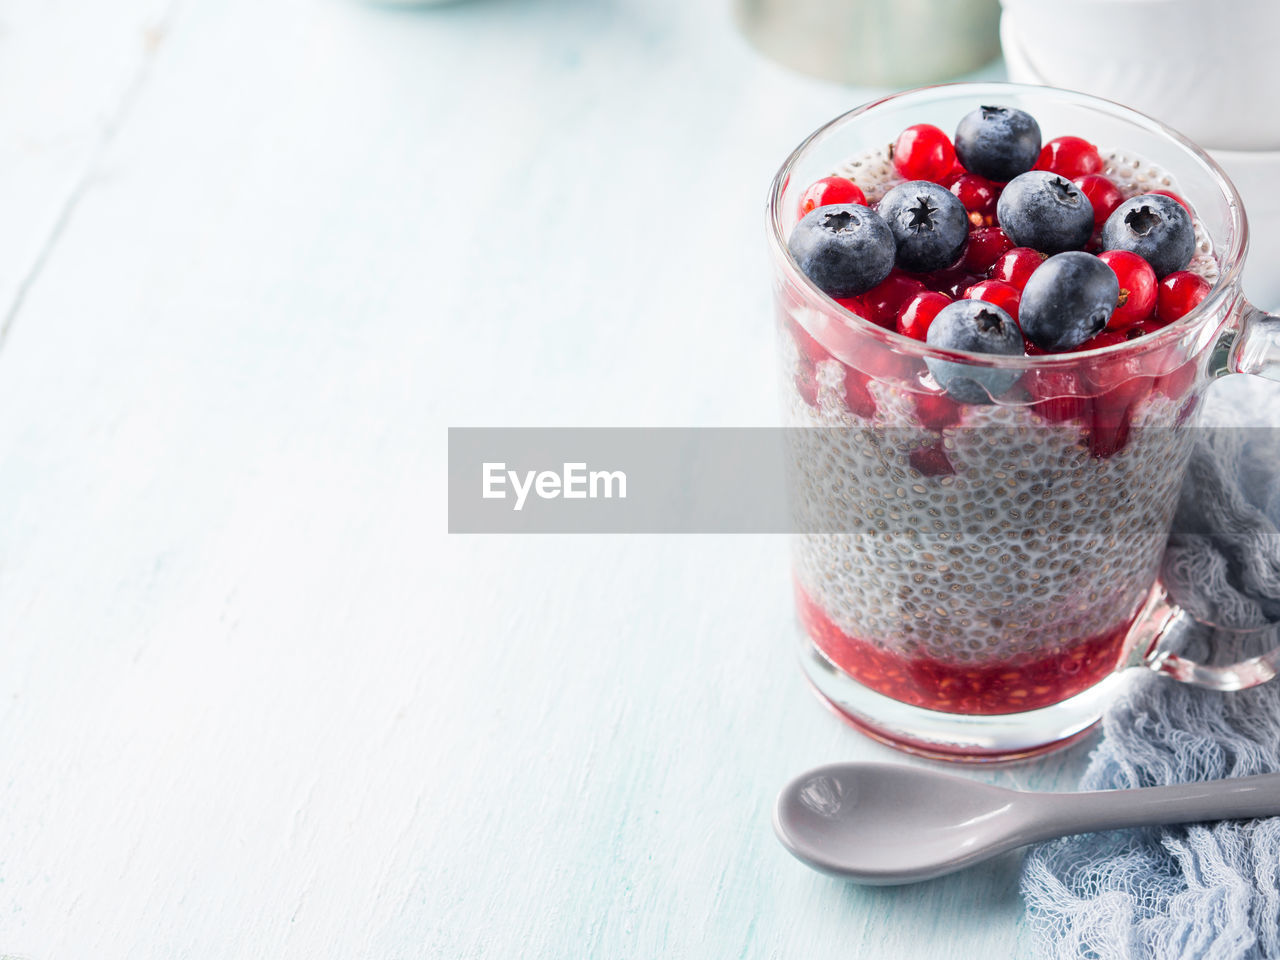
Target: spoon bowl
{"x":883,"y":823}
{"x":878,"y":823}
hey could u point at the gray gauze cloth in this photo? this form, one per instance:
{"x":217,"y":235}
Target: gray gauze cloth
{"x":1200,"y":891}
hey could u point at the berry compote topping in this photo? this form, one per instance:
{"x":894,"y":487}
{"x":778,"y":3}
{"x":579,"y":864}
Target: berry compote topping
{"x":1086,"y":275}
{"x":949,"y":227}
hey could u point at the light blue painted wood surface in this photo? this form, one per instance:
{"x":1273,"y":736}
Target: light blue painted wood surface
{"x":254,"y":701}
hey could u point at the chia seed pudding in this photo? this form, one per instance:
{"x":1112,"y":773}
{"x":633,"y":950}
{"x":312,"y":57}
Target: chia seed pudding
{"x":980,"y":558}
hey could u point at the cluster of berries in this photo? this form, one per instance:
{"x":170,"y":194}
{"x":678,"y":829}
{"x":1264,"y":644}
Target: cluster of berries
{"x":995,"y":244}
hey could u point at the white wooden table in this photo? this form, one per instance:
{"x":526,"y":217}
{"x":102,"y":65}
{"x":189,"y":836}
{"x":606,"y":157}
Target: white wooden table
{"x":255,"y":257}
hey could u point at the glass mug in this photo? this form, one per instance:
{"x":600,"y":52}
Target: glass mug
{"x":972,"y":579}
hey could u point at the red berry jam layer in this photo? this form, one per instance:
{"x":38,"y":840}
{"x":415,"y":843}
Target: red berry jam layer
{"x":1058,"y":671}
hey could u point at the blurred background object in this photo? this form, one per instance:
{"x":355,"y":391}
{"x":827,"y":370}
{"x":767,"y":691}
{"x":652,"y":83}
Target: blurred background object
{"x":890,"y":43}
{"x":1205,"y":69}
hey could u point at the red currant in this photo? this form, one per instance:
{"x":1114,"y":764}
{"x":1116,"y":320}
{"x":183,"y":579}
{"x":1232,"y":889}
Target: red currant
{"x":1180,"y":293}
{"x":1069,"y":157}
{"x":986,"y":246}
{"x":1016,"y":266}
{"x":830,"y":190}
{"x":1058,"y":395}
{"x":955,"y":173}
{"x":1177,"y":382}
{"x":1103,"y":195}
{"x":918,"y":313}
{"x":856,"y":395}
{"x":953,"y":281}
{"x":937,"y":411}
{"x":811,"y":351}
{"x":1113,"y":413}
{"x":978,"y":194}
{"x":1137,"y":288}
{"x":1004,"y":295}
{"x":1117,"y":367}
{"x":923,"y":152}
{"x":883,"y":302}
{"x":853,"y":305}
{"x":1107,"y":338}
{"x":932,"y":460}
{"x":1120,"y":385}
{"x":1173,"y":196}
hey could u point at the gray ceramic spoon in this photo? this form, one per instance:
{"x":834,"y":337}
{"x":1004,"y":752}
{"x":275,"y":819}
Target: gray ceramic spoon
{"x":883,"y":823}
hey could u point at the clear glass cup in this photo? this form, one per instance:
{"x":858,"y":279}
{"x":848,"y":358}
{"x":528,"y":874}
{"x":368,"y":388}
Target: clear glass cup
{"x":973,"y":578}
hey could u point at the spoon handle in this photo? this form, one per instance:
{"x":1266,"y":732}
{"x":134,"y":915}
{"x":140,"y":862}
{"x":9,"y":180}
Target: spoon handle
{"x":1238,"y":797}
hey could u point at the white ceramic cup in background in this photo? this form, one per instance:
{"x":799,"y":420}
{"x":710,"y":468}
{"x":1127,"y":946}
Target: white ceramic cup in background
{"x":1204,"y":69}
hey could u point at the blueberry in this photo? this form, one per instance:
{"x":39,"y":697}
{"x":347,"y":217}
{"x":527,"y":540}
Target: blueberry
{"x":929,"y":224}
{"x":1068,"y":299}
{"x":845,"y":248}
{"x":1046,"y":212}
{"x":976,"y":327}
{"x":998,"y":142}
{"x":1155,"y":227}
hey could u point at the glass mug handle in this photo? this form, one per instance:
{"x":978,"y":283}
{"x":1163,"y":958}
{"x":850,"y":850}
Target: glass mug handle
{"x":1252,"y":347}
{"x":1161,"y":623}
